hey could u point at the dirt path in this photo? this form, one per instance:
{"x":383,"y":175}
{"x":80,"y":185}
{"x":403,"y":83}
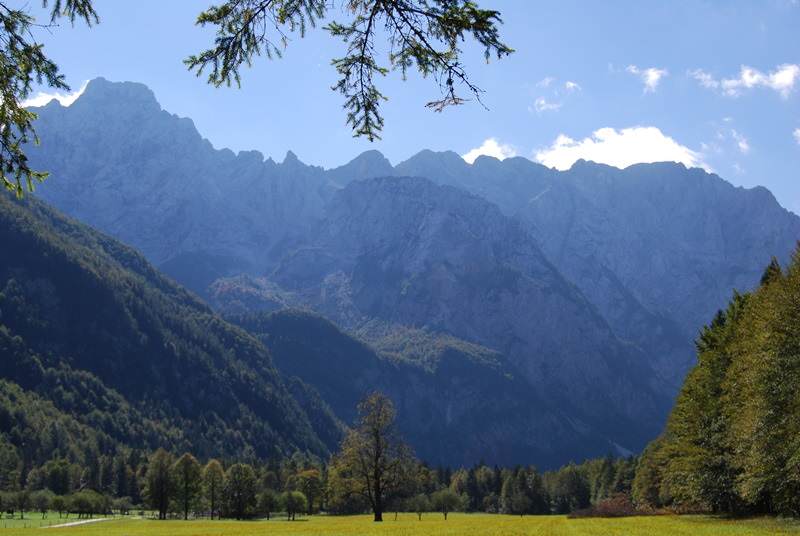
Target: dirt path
{"x":76,"y":523}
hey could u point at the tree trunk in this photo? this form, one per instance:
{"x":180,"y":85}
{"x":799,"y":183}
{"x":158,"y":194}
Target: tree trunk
{"x":445,"y":516}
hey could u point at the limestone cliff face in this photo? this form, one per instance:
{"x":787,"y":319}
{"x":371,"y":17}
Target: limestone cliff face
{"x":407,"y":252}
{"x":590,"y":283}
{"x":657,"y":248}
{"x":128,"y":168}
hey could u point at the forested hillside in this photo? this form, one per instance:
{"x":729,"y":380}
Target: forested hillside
{"x":457,"y":402}
{"x":732,"y":443}
{"x":99,"y":351}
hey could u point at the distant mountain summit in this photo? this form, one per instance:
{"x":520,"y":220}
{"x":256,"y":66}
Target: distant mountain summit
{"x":591,"y":282}
{"x":148,"y":177}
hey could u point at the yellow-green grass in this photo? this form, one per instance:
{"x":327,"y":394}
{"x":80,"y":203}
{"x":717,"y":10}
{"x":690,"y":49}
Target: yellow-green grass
{"x":31,"y":519}
{"x":432,"y":524}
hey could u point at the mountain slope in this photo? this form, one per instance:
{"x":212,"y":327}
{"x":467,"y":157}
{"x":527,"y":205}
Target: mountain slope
{"x":163,"y":189}
{"x":407,"y":253}
{"x":657,"y":248}
{"x":458,"y":404}
{"x":90,"y":325}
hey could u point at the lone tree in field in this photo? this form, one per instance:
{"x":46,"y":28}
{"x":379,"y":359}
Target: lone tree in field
{"x":374,"y":462}
{"x":213,"y":482}
{"x":159,"y":483}
{"x":187,"y":475}
{"x":419,"y":504}
{"x":446,"y":501}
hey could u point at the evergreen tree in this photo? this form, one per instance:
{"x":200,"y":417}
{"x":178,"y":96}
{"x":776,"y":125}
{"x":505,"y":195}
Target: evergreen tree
{"x":731,"y":443}
{"x":25,"y":64}
{"x":9,"y":466}
{"x":772,"y":272}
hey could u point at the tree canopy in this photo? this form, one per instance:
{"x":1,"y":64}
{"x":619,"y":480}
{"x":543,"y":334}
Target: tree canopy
{"x":422,"y":34}
{"x":731,"y":444}
{"x":23,"y":63}
{"x":373,"y":463}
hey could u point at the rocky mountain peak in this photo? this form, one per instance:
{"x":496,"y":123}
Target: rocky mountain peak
{"x":123,"y":97}
{"x":368,"y":164}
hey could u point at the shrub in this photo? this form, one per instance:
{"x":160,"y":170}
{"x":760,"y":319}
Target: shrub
{"x":618,"y":505}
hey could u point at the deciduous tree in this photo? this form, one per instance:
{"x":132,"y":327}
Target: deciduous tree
{"x":213,"y":483}
{"x":240,"y":491}
{"x":159,"y":482}
{"x":373,"y":461}
{"x":187,"y":475}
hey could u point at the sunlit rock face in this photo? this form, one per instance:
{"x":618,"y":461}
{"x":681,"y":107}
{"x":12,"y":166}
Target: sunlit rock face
{"x":591,"y":283}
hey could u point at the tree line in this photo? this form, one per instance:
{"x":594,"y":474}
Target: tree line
{"x":732,"y":442}
{"x":374,"y":471}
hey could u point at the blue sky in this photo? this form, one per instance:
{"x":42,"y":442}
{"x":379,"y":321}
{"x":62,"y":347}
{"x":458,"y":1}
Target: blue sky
{"x":712,"y":84}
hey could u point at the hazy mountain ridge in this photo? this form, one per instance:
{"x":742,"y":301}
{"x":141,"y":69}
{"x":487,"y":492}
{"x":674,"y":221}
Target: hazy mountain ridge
{"x":209,"y":202}
{"x":644,"y":254}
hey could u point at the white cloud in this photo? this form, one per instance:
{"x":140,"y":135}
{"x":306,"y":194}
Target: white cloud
{"x":705,"y":79}
{"x":650,"y":77}
{"x":490,"y":147}
{"x":741,"y":142}
{"x":541,"y":104}
{"x":545,"y":82}
{"x":796,"y":134}
{"x":42,"y":98}
{"x":619,"y":148}
{"x":572,"y":86}
{"x":782,"y":80}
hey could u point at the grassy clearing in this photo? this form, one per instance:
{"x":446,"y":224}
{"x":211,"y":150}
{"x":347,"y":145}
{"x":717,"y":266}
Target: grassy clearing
{"x":31,"y":520}
{"x":431,"y":524}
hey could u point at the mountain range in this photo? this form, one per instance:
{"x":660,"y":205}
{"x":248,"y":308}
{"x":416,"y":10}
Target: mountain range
{"x":563,"y":301}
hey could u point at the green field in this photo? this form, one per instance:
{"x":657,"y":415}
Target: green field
{"x":31,"y":520}
{"x":408,"y":525}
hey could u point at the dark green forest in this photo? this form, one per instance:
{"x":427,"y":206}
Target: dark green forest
{"x":86,"y":429}
{"x":732,"y":442}
{"x":100,"y":351}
